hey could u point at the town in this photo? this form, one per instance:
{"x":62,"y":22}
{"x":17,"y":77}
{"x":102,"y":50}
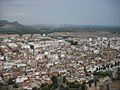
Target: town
{"x":60,"y":61}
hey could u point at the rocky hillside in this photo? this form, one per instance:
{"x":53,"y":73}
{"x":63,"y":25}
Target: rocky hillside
{"x":15,"y":27}
{"x":4,"y":24}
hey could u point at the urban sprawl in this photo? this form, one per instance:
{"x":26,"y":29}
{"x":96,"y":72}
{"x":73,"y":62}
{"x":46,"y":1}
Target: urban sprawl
{"x":60,"y":61}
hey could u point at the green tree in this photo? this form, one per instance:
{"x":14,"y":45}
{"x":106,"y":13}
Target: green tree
{"x":15,"y":85}
{"x":54,"y":80}
{"x":11,"y":81}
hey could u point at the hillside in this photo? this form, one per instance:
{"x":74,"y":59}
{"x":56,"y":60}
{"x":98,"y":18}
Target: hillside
{"x":4,"y":24}
{"x":15,"y":27}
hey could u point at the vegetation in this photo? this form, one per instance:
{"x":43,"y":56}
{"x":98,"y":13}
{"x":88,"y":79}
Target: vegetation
{"x":73,"y":42}
{"x":73,"y":84}
{"x":45,"y":86}
{"x":19,"y":31}
{"x":11,"y":81}
{"x":103,"y":74}
{"x":36,"y":88}
{"x":54,"y":80}
{"x":15,"y":86}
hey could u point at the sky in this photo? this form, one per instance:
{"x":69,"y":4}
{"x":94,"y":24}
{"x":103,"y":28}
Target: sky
{"x":77,"y":12}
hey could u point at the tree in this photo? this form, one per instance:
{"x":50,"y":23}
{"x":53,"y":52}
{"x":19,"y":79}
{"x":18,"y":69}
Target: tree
{"x":15,"y":85}
{"x":73,"y":42}
{"x":83,"y":86}
{"x":11,"y":81}
{"x":73,"y":84}
{"x":44,"y":86}
{"x":35,"y":88}
{"x":54,"y":80}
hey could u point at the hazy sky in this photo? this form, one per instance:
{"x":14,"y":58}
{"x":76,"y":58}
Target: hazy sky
{"x":79,"y":12}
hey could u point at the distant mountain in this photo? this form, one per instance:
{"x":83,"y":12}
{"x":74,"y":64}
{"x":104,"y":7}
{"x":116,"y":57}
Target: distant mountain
{"x":4,"y":24}
{"x":15,"y":28}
